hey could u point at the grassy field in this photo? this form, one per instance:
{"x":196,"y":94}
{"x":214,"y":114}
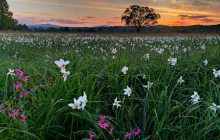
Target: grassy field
{"x":173,"y":83}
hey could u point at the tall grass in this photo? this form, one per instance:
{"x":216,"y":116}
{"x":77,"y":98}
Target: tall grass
{"x":165,"y":111}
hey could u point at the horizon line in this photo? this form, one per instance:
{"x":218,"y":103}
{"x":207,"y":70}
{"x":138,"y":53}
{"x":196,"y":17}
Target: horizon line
{"x":119,"y":25}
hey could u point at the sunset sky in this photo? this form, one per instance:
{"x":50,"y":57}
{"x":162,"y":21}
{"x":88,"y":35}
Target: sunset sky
{"x":108,"y":12}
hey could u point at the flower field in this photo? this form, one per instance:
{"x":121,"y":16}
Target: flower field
{"x":113,"y":87}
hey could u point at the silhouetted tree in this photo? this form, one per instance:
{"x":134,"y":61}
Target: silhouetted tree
{"x":6,"y":19}
{"x":139,"y":17}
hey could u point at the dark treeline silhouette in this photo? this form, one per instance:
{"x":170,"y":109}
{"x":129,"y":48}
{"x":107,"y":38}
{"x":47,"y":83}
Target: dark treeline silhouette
{"x":121,"y":29}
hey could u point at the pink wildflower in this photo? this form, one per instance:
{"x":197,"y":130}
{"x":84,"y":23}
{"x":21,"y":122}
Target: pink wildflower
{"x":19,"y":73}
{"x":128,"y":135}
{"x":17,"y":86}
{"x":22,"y":118}
{"x":14,"y":113}
{"x":105,"y":125}
{"x":111,"y":130}
{"x":91,"y":135}
{"x":25,"y":78}
{"x":135,"y":132}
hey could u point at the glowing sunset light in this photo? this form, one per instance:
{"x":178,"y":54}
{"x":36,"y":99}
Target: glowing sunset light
{"x":108,"y":12}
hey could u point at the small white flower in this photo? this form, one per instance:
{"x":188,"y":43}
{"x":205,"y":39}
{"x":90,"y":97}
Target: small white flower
{"x":124,"y":70}
{"x":180,"y":80}
{"x":214,"y":107}
{"x":114,"y":50}
{"x":83,"y":98}
{"x":116,"y":103}
{"x":149,"y":85}
{"x":146,"y":56}
{"x":75,"y":104}
{"x":61,"y":63}
{"x":65,"y":73}
{"x":216,"y":73}
{"x":195,"y":98}
{"x":205,"y":62}
{"x":160,"y":51}
{"x":144,"y":76}
{"x":80,"y":103}
{"x":127,"y":91}
{"x":172,"y":61}
{"x":11,"y":72}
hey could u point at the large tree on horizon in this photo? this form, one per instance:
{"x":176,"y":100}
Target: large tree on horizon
{"x":139,"y":17}
{"x":6,"y":16}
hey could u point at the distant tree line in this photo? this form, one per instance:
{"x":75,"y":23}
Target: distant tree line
{"x":130,"y":29}
{"x":6,"y":18}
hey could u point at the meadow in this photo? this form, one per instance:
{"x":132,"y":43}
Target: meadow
{"x":93,"y":86}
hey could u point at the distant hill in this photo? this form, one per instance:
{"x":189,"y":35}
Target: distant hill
{"x":154,"y":29}
{"x":43,"y":26}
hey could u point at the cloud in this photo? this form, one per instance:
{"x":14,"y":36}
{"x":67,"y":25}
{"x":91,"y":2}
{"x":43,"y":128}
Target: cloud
{"x":33,"y":20}
{"x":202,"y":18}
{"x":61,"y":21}
{"x":89,"y":17}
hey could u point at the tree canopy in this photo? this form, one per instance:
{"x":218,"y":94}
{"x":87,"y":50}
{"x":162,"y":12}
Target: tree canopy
{"x":6,"y":17}
{"x":139,"y":17}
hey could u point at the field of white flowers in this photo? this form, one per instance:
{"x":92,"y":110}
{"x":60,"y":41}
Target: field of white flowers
{"x":113,"y":87}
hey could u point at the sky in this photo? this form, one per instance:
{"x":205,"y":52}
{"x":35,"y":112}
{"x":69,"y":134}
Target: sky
{"x":80,"y":13}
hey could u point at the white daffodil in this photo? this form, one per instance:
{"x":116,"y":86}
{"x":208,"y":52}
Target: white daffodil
{"x":205,"y":62}
{"x":149,"y":85}
{"x":144,"y":76}
{"x":61,"y":63}
{"x":80,"y":103}
{"x":216,"y":73}
{"x":160,"y":51}
{"x":65,"y":73}
{"x":72,"y":105}
{"x":75,"y":104}
{"x":127,"y":91}
{"x":195,"y":98}
{"x":116,"y":103}
{"x":214,"y":107}
{"x":180,"y":80}
{"x":146,"y":56}
{"x":114,"y":51}
{"x":124,"y":70}
{"x":11,"y":72}
{"x":172,"y":61}
{"x":83,"y":98}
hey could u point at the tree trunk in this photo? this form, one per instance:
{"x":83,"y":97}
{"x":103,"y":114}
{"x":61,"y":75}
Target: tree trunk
{"x":138,"y":29}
